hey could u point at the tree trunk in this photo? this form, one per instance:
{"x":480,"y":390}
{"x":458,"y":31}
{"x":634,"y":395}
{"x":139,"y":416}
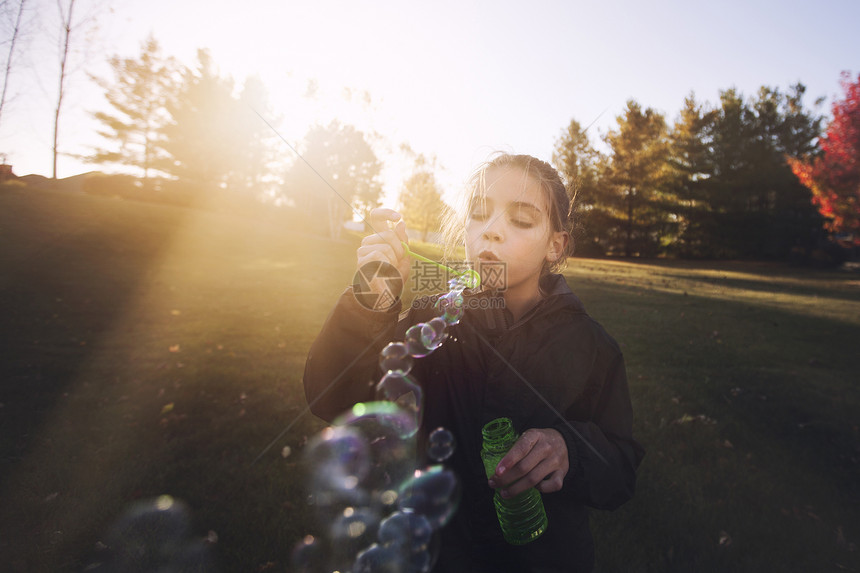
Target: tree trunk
{"x":628,"y":243}
{"x":67,"y":32}
{"x":12,"y":42}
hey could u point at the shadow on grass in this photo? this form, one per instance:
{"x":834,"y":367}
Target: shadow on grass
{"x":69,"y":272}
{"x":63,"y":285}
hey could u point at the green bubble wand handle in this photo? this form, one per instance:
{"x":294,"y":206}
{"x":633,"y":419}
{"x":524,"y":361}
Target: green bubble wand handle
{"x":471,"y":278}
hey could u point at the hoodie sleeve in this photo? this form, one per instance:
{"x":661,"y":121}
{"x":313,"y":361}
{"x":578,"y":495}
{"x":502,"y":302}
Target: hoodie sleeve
{"x":343,"y":359}
{"x":602,"y":453}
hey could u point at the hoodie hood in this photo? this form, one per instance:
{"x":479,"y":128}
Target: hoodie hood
{"x":487,"y":308}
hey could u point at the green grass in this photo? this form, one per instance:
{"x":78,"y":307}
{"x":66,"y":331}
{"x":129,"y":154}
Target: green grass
{"x":150,"y":349}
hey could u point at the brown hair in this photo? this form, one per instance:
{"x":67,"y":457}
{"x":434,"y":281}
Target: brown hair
{"x":559,"y":200}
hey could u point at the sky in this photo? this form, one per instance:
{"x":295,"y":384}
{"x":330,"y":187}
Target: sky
{"x":454,"y":80}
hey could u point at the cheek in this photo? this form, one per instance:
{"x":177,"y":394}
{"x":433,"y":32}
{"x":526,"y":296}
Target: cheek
{"x":472,"y":235}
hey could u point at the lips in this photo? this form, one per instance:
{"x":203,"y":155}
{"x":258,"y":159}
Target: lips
{"x":487,"y":256}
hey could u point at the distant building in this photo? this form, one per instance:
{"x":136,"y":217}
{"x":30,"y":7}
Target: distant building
{"x":6,"y":172}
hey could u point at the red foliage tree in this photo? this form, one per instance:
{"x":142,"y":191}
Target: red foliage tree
{"x":834,"y":175}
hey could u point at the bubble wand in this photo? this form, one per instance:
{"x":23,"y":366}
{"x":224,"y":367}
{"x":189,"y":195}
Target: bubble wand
{"x":471,"y":278}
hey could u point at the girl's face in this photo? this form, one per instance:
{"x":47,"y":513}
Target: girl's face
{"x":508,"y":230}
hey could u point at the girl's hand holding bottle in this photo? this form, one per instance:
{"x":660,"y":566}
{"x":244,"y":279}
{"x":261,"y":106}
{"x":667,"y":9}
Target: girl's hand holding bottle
{"x":538,"y":459}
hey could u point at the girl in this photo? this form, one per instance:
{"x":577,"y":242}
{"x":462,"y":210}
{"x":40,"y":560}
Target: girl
{"x":525,"y":349}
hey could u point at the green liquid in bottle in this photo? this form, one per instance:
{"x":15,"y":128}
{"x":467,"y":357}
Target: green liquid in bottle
{"x":522,"y":518}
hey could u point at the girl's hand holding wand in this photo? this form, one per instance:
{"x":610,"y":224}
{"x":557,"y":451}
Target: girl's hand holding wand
{"x":384,"y":245}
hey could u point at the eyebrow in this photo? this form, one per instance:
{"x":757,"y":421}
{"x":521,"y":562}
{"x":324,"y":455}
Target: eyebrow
{"x":521,"y":205}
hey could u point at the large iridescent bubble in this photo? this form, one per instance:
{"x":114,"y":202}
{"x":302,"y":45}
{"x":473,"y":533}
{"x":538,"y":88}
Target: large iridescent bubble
{"x":434,"y":493}
{"x":338,"y":457}
{"x":411,"y":531}
{"x":388,"y":430}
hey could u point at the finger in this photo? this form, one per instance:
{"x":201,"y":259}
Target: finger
{"x":519,"y":451}
{"x":400,"y":230}
{"x":380,"y":217}
{"x":552,"y":482}
{"x":390,"y":239}
{"x":382,"y":252}
{"x":525,"y":467}
{"x":531,"y":479}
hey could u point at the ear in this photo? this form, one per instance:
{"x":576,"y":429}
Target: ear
{"x":557,"y":245}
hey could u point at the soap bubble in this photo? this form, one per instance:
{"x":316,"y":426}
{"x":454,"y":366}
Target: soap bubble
{"x":395,"y":358}
{"x":414,"y":342}
{"x":450,"y":307}
{"x":351,"y":531}
{"x":379,"y":559}
{"x":440,"y":444}
{"x":338,"y":457}
{"x":420,"y":562}
{"x":388,"y":430}
{"x":374,"y":419}
{"x":433,"y":333}
{"x":154,"y":535}
{"x":434,"y":492}
{"x":404,"y":391}
{"x":411,"y":531}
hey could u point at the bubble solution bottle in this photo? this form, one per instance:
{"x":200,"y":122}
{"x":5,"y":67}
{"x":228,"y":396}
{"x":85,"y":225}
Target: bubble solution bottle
{"x":522,"y":518}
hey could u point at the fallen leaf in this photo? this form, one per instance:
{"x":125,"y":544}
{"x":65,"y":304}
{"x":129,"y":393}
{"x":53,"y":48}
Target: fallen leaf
{"x":167,"y":408}
{"x":174,"y":348}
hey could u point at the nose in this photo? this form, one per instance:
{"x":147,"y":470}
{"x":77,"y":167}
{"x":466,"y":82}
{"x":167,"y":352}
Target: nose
{"x":492,"y":232}
{"x":491,"y":235}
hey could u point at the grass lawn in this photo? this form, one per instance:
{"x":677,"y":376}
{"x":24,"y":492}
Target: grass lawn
{"x":150,"y":349}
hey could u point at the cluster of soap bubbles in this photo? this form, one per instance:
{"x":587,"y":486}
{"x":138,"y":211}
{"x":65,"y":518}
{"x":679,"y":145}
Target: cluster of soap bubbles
{"x":378,"y":510}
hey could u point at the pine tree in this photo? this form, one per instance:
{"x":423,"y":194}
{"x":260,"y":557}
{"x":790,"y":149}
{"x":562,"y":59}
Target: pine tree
{"x":137,"y":97}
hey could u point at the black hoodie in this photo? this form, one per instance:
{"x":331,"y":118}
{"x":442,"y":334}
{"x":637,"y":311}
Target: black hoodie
{"x":553,"y":368}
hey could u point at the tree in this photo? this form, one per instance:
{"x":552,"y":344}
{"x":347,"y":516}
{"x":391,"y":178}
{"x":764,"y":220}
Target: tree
{"x":833,"y":176}
{"x":582,"y":168}
{"x":691,"y":171}
{"x":757,"y":207}
{"x":638,"y":161}
{"x":214,"y":140}
{"x":13,"y":40}
{"x":138,"y":98}
{"x":420,"y":199}
{"x":336,"y":177}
